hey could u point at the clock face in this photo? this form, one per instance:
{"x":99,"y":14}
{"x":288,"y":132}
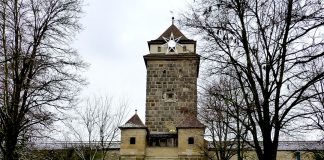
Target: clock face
{"x":171,"y":43}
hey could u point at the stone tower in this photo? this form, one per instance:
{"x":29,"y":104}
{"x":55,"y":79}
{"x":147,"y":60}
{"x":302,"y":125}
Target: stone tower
{"x":171,"y":86}
{"x":171,"y":129}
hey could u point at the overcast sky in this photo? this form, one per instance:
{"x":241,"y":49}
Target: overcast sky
{"x":114,"y":40}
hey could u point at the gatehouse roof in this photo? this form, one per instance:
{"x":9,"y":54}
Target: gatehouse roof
{"x":134,"y":122}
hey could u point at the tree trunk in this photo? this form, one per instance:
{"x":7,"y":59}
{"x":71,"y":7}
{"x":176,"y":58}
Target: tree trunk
{"x":10,"y":144}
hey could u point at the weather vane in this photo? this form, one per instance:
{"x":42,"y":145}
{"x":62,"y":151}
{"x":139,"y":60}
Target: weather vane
{"x":172,"y":14}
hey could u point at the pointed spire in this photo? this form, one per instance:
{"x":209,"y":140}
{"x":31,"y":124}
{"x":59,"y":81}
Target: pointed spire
{"x":135,"y":111}
{"x":172,"y":20}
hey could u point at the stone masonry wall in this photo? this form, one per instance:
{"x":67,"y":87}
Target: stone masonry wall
{"x":171,"y":90}
{"x":130,"y":151}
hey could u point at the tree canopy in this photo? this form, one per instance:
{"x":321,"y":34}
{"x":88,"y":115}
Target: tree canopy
{"x":39,"y":70}
{"x":273,"y":49}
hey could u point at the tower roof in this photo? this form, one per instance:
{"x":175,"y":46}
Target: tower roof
{"x":176,"y":32}
{"x":167,"y":33}
{"x":134,"y":122}
{"x":190,"y":121}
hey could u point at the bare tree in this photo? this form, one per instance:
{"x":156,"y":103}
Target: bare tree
{"x":100,"y":119}
{"x":272,"y":46}
{"x":220,"y":110}
{"x":317,"y":105}
{"x":38,"y":67}
{"x":109,"y":119}
{"x":86,"y":148}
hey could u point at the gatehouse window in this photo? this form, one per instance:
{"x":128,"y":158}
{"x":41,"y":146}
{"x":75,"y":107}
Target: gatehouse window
{"x":297,"y":155}
{"x":163,"y":142}
{"x":132,"y":140}
{"x":191,"y":140}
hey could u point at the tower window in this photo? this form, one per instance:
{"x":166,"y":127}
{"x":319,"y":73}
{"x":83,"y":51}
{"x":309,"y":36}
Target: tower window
{"x":170,"y":95}
{"x":180,"y":73}
{"x":164,"y":73}
{"x":184,"y":48}
{"x":132,"y":140}
{"x":191,"y":140}
{"x":159,"y":49}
